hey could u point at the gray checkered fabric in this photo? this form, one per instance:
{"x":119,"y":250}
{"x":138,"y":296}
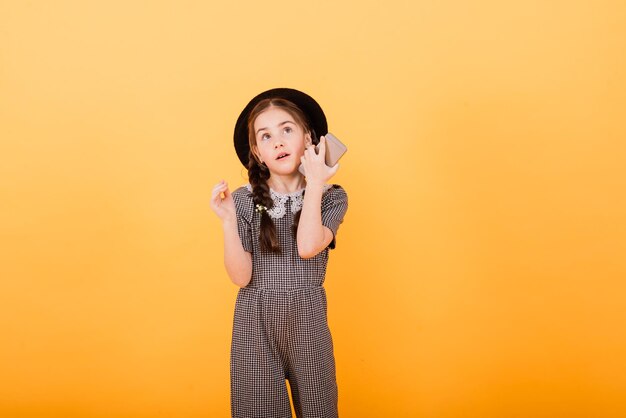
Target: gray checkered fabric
{"x":280,"y":328}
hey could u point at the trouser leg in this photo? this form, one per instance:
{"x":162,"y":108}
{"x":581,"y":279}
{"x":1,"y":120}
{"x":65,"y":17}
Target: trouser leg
{"x":258,"y":388}
{"x":312,"y":361}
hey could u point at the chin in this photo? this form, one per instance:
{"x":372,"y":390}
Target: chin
{"x":285,"y":170}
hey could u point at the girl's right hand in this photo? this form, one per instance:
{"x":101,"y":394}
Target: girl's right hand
{"x":223,"y":207}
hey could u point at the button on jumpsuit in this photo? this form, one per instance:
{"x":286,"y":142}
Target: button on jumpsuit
{"x":280,"y":328}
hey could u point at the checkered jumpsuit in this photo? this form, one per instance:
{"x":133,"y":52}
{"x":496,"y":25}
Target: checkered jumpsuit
{"x":280,"y":328}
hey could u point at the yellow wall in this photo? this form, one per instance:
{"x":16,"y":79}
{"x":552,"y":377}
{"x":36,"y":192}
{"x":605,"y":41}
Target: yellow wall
{"x":480,"y":268}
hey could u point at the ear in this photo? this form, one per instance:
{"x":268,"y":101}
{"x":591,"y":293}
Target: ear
{"x":307,"y":139}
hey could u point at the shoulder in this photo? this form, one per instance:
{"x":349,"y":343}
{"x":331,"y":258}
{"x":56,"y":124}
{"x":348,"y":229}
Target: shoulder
{"x":335,"y":190}
{"x":243,"y":199}
{"x":243,"y":192}
{"x":334,"y":193}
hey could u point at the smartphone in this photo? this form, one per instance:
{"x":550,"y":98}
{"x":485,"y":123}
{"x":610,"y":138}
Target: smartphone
{"x":334,"y":151}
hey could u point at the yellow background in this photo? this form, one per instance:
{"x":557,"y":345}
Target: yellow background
{"x":480,"y":268}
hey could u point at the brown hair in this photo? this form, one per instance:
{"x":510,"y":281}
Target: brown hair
{"x":258,"y":173}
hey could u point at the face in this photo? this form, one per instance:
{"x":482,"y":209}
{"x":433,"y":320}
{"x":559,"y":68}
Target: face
{"x":277,"y":133}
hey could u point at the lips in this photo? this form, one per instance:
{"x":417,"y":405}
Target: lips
{"x":282,"y":155}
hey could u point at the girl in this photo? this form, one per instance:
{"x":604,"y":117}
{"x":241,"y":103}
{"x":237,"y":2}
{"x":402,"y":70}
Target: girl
{"x":278,"y":230}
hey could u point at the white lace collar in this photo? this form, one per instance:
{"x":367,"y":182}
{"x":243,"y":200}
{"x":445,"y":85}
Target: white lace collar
{"x":279,"y":209}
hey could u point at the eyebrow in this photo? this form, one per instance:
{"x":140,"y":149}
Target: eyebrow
{"x":280,"y":124}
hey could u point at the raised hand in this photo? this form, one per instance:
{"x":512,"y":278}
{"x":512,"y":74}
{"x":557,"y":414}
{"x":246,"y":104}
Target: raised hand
{"x":224,"y":207}
{"x":315,"y":168}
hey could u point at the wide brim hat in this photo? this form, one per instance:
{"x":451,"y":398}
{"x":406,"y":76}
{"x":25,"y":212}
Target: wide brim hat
{"x":313,"y":111}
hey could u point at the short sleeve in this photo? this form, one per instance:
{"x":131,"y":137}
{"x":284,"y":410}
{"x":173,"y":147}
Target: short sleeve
{"x":243,"y":207}
{"x":334,"y":208}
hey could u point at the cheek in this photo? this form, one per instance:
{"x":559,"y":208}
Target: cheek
{"x":260,"y":151}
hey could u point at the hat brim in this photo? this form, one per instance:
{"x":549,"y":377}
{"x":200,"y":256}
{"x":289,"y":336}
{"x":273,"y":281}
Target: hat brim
{"x":306,"y":103}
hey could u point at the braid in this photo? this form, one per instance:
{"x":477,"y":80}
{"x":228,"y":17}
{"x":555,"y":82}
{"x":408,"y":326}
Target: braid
{"x":296,"y":220}
{"x":258,"y":175}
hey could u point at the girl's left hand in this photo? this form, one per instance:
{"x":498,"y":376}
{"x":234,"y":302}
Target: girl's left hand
{"x":315,"y":168}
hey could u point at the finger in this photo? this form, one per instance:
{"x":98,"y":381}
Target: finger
{"x":217,"y":189}
{"x":321,"y":147}
{"x":218,"y":185}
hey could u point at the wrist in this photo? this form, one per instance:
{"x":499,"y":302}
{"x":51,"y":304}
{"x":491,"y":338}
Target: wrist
{"x":315,"y":185}
{"x":228,"y":223}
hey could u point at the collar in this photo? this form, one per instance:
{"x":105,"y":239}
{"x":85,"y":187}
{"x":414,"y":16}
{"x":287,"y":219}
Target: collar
{"x":279,"y":209}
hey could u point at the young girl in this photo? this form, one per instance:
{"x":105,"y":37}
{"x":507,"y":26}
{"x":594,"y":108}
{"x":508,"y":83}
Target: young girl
{"x":278,"y":230}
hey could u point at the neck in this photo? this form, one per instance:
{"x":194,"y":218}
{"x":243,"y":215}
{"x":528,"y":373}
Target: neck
{"x":287,"y":184}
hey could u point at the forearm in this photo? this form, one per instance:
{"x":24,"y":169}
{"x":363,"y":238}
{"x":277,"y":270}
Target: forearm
{"x":310,"y":236}
{"x":238,"y":262}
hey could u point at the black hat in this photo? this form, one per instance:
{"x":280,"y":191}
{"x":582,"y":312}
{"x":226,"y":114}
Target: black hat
{"x":317,"y":119}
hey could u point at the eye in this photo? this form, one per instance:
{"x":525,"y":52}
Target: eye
{"x":265,"y":136}
{"x":288,"y":129}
